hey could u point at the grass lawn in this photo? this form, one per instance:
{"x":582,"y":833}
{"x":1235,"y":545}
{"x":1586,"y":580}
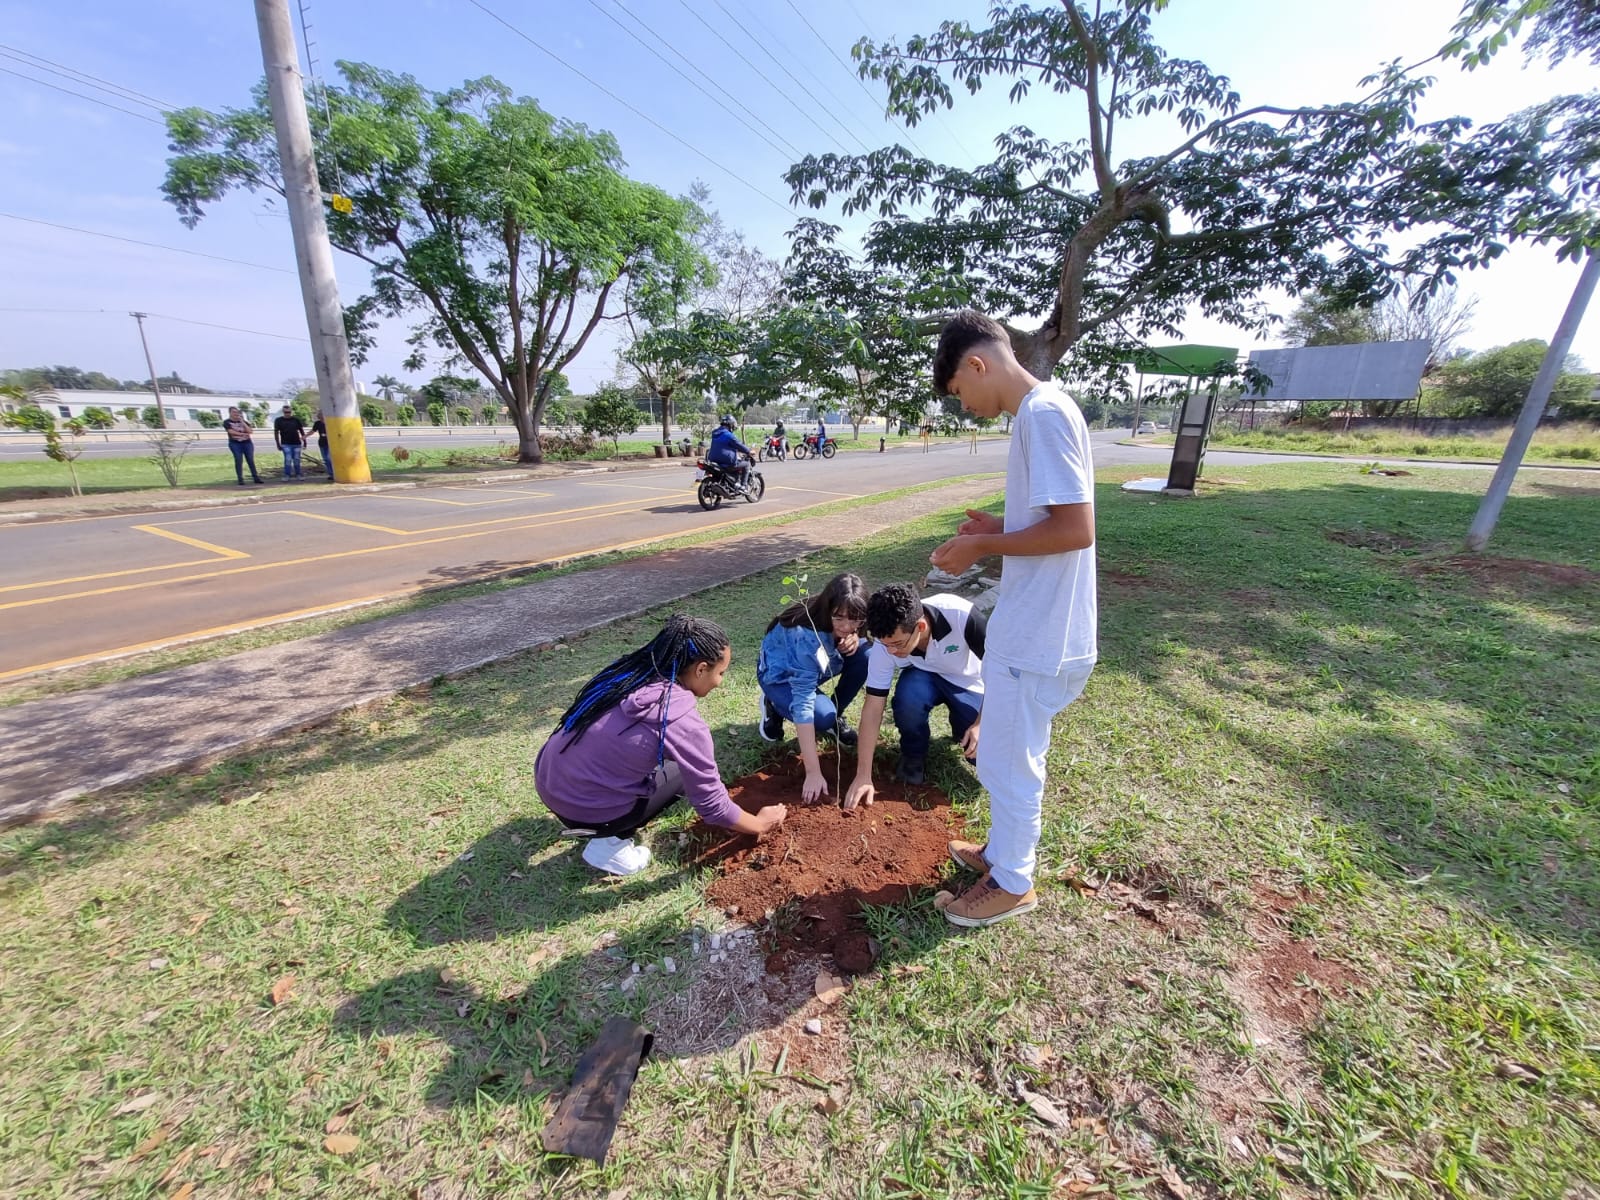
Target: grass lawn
{"x":1568,"y":444}
{"x":1320,"y":913}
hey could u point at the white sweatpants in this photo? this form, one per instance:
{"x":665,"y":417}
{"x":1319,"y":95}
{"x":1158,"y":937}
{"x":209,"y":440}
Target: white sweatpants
{"x":1018,"y":707}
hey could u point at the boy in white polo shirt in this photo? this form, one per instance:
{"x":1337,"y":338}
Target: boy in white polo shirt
{"x":1041,"y":637}
{"x":931,"y":652}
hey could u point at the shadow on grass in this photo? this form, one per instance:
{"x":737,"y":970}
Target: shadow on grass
{"x":1442,"y":713}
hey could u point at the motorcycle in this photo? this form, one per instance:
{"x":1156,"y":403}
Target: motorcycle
{"x":774,"y":448}
{"x":809,"y":447}
{"x":715,"y":483}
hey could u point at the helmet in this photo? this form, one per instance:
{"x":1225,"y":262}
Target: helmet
{"x":728,"y":422}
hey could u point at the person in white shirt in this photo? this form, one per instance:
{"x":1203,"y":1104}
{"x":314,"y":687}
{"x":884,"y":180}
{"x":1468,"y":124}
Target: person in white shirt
{"x":931,"y":653}
{"x":1042,"y":636}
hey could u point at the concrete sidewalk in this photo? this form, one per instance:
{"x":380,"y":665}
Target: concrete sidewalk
{"x":63,"y":748}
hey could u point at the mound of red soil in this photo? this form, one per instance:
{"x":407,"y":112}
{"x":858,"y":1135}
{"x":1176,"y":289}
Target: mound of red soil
{"x":816,"y":871}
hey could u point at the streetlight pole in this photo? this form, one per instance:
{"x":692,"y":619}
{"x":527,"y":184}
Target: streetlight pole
{"x":149,"y":362}
{"x":1533,"y":407}
{"x":319,"y":287}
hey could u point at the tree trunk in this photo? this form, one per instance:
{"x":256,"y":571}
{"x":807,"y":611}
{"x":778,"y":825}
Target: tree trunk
{"x":528,"y":448}
{"x":666,"y":413}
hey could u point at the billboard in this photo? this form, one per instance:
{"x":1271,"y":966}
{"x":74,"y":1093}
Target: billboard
{"x":1366,"y":371}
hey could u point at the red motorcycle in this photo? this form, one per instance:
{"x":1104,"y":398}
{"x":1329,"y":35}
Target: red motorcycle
{"x":809,"y":447}
{"x":774,"y":449}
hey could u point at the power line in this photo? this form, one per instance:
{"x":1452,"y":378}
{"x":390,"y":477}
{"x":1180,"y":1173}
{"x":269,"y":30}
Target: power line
{"x":106,"y":312}
{"x":153,"y":245}
{"x":594,"y":4}
{"x":596,"y":84}
{"x":845,"y":67}
{"x":838,"y":108}
{"x":39,"y":62}
{"x":792,"y":150}
{"x":757,"y":71}
{"x":83,"y":96}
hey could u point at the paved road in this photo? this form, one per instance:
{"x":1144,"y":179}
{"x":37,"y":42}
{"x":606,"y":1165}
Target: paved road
{"x":76,"y":590}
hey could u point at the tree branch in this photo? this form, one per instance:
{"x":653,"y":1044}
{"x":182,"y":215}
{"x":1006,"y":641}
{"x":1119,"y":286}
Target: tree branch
{"x":1091,"y":90}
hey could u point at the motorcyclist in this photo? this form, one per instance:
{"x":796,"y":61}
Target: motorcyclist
{"x":728,"y":452}
{"x":820,"y":438}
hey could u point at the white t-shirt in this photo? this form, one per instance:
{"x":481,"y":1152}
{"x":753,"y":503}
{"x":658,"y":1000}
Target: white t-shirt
{"x":950,"y":650}
{"x":1045,"y":619}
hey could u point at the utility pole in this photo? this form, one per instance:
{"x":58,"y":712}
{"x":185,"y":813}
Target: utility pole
{"x":313,"y":254}
{"x":1533,"y":407}
{"x":149,"y":362}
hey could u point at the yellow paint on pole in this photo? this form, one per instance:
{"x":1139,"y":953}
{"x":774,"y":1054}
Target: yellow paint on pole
{"x":347,"y":443}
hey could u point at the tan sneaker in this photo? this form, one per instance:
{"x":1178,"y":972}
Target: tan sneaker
{"x":969,"y":856}
{"x":986,"y":902}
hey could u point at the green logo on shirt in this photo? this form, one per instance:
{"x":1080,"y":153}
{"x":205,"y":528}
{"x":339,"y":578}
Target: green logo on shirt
{"x":952,"y":649}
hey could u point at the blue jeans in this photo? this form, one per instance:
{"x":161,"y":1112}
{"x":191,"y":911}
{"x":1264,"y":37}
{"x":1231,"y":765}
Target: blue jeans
{"x":327,"y":458}
{"x":916,"y":694}
{"x":825,"y":710}
{"x":244,"y":452}
{"x":291,"y":462}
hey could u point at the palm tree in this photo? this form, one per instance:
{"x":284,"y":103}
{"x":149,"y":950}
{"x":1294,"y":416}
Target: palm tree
{"x":387,"y":385}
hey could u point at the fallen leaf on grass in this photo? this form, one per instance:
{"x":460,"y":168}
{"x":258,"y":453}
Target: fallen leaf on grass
{"x":182,"y":1193}
{"x":463,"y":1008}
{"x":538,"y":956}
{"x":447,"y":976}
{"x":1173,"y":1184}
{"x":829,"y":1105}
{"x":1041,"y":1106}
{"x":829,"y":987}
{"x":341,"y":1118}
{"x":176,"y":1169}
{"x":908,"y":969}
{"x":621,"y":1193}
{"x":138,"y":1103}
{"x":1521,"y":1072}
{"x":943,"y":899}
{"x":158,"y":964}
{"x":162,"y":1133}
{"x":1137,"y":982}
{"x":527,"y":1077}
{"x":281,"y":989}
{"x":340,"y":1143}
{"x":195,"y":922}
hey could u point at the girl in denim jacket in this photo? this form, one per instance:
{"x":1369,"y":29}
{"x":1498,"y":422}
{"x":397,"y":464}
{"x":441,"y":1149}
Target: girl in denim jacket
{"x":807,"y":644}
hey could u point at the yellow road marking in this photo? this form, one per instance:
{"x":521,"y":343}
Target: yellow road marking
{"x":292,"y":512}
{"x":224,"y":551}
{"x":188,"y":562}
{"x":781,"y":487}
{"x":400,"y":593}
{"x":583,"y":508}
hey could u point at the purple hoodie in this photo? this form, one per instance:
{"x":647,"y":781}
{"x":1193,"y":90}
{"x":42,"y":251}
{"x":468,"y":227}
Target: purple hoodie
{"x":598,"y":776}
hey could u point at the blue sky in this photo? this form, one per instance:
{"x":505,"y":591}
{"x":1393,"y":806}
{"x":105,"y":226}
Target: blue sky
{"x":73,"y":162}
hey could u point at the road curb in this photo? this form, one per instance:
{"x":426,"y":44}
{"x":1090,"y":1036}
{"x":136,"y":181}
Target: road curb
{"x":1421,"y":462}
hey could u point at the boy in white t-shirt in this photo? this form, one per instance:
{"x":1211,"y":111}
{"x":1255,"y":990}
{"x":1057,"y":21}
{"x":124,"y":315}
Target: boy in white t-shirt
{"x":1041,"y":636}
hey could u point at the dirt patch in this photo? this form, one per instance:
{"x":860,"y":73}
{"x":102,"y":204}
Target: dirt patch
{"x":811,"y":878}
{"x":1377,"y":540}
{"x":1285,"y":978}
{"x":1516,"y":574}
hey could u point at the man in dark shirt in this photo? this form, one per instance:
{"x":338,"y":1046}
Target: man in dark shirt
{"x":289,"y":432}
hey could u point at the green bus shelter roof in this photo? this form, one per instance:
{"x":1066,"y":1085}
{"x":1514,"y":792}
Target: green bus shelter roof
{"x":1182,"y":360}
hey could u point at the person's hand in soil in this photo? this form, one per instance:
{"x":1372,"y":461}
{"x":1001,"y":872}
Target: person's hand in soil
{"x":814,"y":788}
{"x":860,"y":792}
{"x":979,"y":521}
{"x":762,"y":822}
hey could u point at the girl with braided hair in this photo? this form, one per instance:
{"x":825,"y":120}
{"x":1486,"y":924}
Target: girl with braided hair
{"x":633,"y":743}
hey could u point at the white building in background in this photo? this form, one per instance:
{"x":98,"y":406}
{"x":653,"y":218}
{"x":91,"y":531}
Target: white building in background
{"x":181,"y":409}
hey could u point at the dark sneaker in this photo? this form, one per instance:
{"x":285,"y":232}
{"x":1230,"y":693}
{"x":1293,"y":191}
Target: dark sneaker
{"x":969,"y":856}
{"x":986,"y":902}
{"x":915,"y":772}
{"x":770,"y":724}
{"x":844,"y":733}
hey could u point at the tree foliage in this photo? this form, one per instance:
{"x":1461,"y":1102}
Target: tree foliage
{"x":1498,"y":380}
{"x":1323,"y":319}
{"x":505,"y":231}
{"x":95,"y":417}
{"x":1105,"y":254}
{"x":611,"y":412}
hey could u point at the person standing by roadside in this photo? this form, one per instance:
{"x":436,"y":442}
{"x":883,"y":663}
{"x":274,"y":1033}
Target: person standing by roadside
{"x":1041,"y":639}
{"x":289,"y":432}
{"x":320,"y":428}
{"x":241,"y":444}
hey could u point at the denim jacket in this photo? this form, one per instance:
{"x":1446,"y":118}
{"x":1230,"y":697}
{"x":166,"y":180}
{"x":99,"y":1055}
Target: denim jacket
{"x":797,"y":660}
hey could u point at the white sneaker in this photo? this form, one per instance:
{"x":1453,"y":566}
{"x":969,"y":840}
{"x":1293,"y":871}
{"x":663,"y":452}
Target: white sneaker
{"x":616,"y":856}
